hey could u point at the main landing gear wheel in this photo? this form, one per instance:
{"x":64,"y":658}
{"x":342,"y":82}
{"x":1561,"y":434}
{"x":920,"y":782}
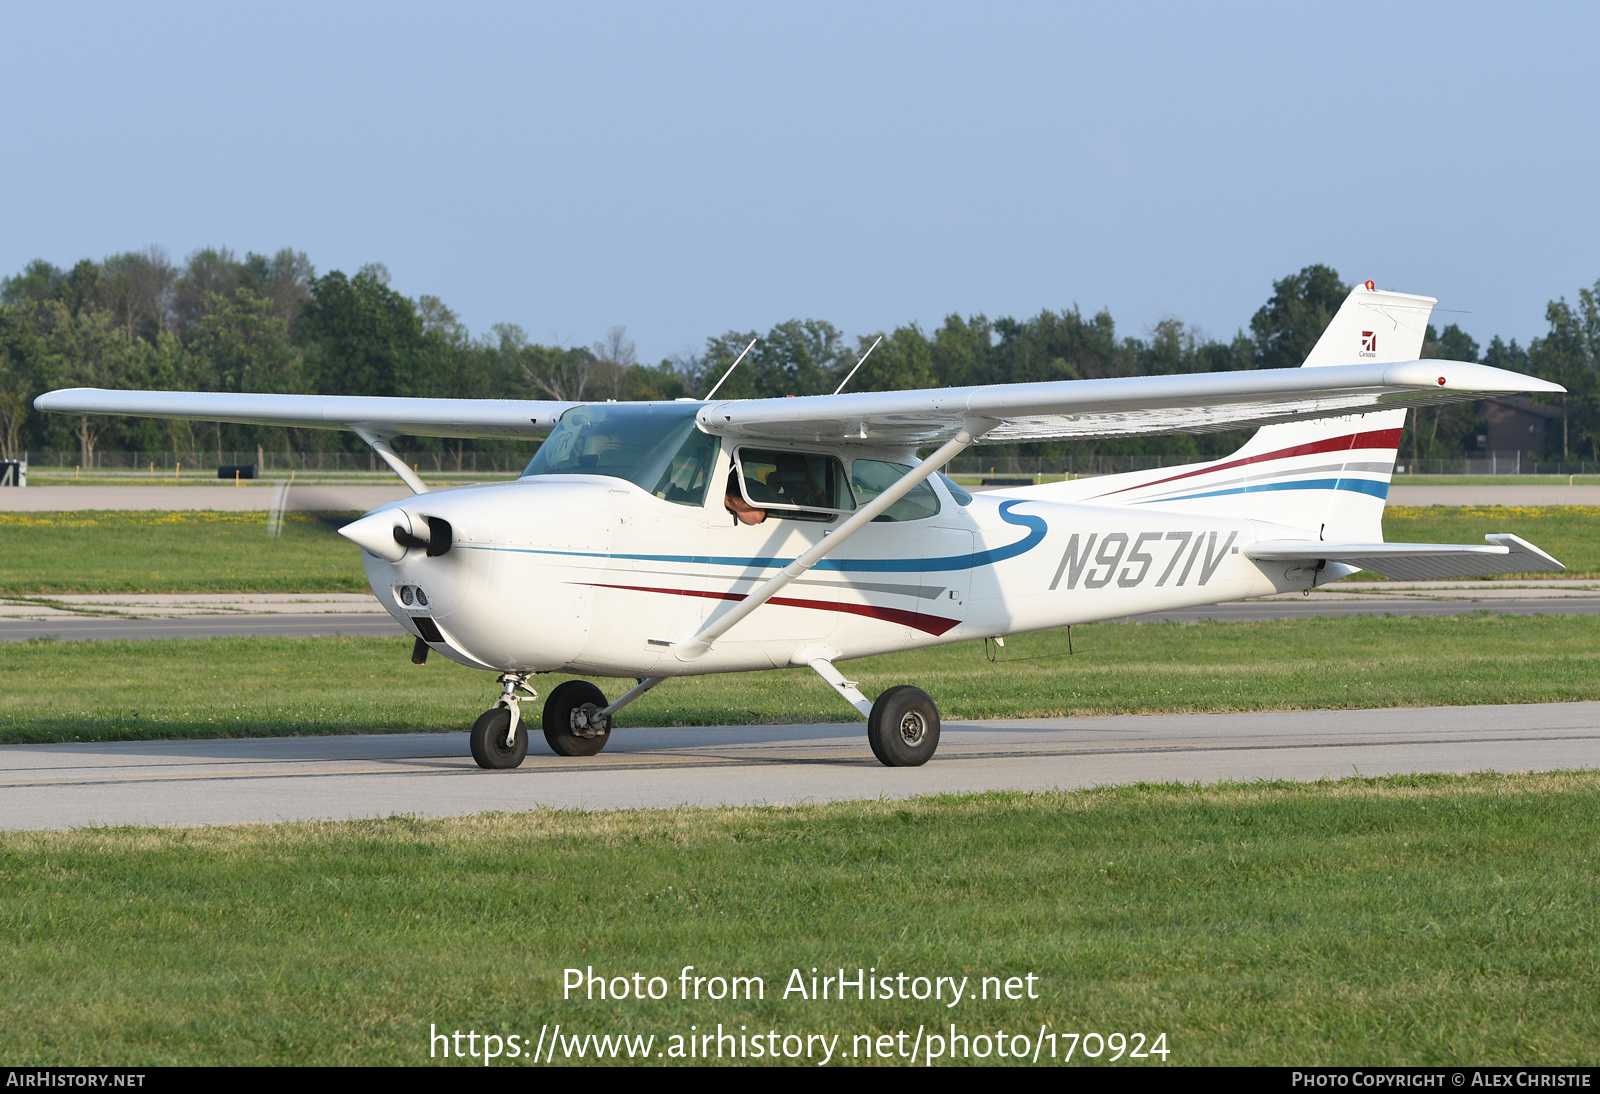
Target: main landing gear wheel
{"x":570,"y":724}
{"x":493,"y":744}
{"x":903,"y":728}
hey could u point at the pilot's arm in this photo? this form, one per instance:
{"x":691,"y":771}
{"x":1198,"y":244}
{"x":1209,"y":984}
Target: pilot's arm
{"x":734,"y":502}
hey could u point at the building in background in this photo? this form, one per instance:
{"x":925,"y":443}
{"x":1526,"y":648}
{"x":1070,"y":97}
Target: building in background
{"x":1513,"y":423}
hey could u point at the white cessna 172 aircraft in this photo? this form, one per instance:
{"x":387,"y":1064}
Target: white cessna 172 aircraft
{"x":662,"y":539}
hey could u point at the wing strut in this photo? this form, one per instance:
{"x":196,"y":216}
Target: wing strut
{"x":380,"y":445}
{"x":696,"y":646}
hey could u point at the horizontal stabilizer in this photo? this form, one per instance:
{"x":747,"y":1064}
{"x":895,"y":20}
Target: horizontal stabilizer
{"x":1416,"y":561}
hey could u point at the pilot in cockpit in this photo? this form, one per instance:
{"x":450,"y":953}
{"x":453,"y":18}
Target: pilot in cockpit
{"x":795,"y":484}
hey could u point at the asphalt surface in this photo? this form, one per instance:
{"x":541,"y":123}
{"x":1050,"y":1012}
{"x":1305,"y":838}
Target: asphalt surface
{"x":203,"y":626}
{"x":251,"y":497}
{"x":88,"y":616}
{"x":299,"y":778}
{"x":1510,"y":494}
{"x":1255,"y":610}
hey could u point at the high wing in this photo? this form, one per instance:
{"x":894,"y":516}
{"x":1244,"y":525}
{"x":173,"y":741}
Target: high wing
{"x":993,"y":414}
{"x":1416,"y":561}
{"x":1193,"y":403}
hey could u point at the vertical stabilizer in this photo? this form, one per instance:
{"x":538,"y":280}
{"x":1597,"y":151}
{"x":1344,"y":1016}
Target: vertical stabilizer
{"x":1332,"y":475}
{"x":1327,"y":477}
{"x":1373,"y":327}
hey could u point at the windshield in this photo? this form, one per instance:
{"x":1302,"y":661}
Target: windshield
{"x":653,"y":445}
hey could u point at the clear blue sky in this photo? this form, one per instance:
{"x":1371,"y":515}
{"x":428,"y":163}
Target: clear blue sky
{"x":686,"y":169}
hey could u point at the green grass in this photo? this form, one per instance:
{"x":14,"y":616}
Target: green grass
{"x":1408,"y":920}
{"x":1496,"y":480}
{"x":157,"y":552}
{"x":1569,"y":532}
{"x":56,"y":691}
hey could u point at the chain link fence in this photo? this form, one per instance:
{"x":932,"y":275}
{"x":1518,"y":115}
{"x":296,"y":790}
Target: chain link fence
{"x":106,"y":460}
{"x":1489,"y":463}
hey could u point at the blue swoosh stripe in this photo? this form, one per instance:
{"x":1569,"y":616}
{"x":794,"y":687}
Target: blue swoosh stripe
{"x":1036,"y":533}
{"x":1359,"y":486}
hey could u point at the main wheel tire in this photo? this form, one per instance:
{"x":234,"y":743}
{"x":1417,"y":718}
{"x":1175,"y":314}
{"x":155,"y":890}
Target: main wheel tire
{"x":558,"y":729}
{"x":903,"y":728}
{"x":489,"y":746}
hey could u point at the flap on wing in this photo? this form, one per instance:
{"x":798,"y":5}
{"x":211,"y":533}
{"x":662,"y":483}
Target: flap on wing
{"x":1417,"y":561}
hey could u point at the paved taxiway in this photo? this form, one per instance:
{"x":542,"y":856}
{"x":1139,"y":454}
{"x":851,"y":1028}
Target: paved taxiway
{"x":239,"y":781}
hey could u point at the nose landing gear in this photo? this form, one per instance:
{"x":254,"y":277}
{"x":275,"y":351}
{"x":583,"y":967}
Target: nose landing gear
{"x":499,"y":738}
{"x":577,"y":720}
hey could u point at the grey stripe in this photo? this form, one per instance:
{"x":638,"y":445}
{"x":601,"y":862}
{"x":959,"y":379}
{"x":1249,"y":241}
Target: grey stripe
{"x":1197,"y":483}
{"x":921,"y":592}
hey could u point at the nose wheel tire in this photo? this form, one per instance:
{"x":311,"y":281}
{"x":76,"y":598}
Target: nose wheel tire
{"x":569,"y":725}
{"x":903,"y":728}
{"x":489,"y":745}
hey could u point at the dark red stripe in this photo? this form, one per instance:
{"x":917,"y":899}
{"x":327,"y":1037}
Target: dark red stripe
{"x":928,"y":624}
{"x":1377,"y":438}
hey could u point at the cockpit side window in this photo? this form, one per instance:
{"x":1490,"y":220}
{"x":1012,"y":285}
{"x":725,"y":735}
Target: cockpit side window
{"x":799,"y":485}
{"x":872,"y":477}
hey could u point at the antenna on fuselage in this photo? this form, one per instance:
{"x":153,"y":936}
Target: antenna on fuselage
{"x":859,"y":363}
{"x":731,"y":367}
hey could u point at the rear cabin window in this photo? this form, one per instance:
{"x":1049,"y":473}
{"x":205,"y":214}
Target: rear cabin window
{"x":962,"y":497}
{"x":869,"y":478}
{"x":794,"y":484}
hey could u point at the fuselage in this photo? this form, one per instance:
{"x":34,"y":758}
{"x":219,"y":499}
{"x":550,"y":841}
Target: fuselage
{"x":595,"y":575}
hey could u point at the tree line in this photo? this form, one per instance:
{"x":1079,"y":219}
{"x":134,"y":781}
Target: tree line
{"x":218,"y":322}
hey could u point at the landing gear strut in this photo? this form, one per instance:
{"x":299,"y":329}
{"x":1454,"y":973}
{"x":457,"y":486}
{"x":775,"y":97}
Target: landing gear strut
{"x":902,"y":726}
{"x":499,"y":737}
{"x":577,"y":720}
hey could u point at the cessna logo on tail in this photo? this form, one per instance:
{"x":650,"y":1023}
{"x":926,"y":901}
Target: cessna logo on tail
{"x":1369,"y":343}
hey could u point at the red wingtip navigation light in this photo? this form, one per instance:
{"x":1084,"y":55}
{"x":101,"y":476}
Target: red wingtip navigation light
{"x":1371,"y":287}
